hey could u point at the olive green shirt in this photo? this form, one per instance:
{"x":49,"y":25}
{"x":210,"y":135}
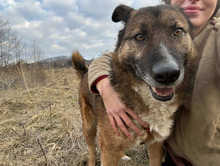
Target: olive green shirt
{"x":196,"y":134}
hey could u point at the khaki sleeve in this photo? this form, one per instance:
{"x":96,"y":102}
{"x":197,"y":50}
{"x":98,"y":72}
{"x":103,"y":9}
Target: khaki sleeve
{"x":98,"y":68}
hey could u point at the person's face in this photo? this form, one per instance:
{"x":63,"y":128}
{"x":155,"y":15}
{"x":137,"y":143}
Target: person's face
{"x":198,"y":11}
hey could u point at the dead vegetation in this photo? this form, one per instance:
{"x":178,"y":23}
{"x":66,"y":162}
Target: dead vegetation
{"x":40,"y":121}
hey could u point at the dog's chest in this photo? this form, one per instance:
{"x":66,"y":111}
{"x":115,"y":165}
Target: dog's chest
{"x":160,"y":120}
{"x":159,"y":115}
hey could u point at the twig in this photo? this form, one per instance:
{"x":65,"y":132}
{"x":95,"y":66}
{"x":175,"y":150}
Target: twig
{"x":9,"y":82}
{"x":51,"y":124}
{"x":25,"y":132}
{"x":17,"y":133}
{"x":38,"y":140}
{"x":24,"y":78}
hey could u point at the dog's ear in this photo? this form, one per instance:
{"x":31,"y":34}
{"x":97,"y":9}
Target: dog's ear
{"x":121,"y":13}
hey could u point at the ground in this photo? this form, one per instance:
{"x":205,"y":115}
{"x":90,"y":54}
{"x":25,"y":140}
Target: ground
{"x":41,"y":125}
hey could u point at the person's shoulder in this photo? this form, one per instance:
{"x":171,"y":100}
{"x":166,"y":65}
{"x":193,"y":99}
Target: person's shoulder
{"x":108,"y":54}
{"x":216,"y":24}
{"x":216,"y":27}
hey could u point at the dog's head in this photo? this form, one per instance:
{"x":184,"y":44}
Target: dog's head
{"x":154,"y":43}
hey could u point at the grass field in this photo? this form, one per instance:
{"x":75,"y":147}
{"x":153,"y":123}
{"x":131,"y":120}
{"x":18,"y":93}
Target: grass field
{"x":40,"y":124}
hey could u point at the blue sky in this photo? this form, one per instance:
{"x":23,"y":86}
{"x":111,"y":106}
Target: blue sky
{"x":62,"y":26}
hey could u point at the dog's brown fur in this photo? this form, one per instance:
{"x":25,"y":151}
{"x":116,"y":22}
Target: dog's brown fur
{"x":130,"y":74}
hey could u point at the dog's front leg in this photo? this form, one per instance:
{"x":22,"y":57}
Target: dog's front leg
{"x":109,"y":158}
{"x":155,"y":153}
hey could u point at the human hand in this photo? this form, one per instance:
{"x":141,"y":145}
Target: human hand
{"x":117,"y":111}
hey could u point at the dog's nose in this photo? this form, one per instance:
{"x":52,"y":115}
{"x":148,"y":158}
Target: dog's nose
{"x":165,"y":74}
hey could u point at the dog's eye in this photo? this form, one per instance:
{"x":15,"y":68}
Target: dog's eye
{"x":139,"y":37}
{"x":178,"y":32}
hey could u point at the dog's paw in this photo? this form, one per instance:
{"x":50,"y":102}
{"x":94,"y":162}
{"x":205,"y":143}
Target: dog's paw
{"x":126,"y":158}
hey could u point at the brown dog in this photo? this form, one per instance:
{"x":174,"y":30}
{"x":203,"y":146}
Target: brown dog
{"x":150,"y":69}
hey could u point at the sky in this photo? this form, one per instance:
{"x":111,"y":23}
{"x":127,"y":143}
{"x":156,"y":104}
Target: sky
{"x":60,"y":27}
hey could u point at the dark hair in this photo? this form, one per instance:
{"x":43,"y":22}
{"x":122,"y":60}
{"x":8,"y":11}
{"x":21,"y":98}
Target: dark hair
{"x":216,"y":9}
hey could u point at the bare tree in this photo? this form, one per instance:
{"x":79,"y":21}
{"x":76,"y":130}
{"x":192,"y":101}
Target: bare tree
{"x":12,"y":47}
{"x":18,"y":48}
{"x":36,"y":53}
{"x":5,"y":32}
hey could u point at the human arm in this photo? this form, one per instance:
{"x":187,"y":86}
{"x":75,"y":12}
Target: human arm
{"x":117,"y":111}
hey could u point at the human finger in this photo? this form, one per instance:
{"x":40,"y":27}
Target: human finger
{"x":114,"y":126}
{"x":137,"y":118}
{"x":121,"y":125}
{"x":130,"y":123}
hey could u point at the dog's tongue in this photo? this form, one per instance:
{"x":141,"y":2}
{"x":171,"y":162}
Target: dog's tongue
{"x":164,"y":91}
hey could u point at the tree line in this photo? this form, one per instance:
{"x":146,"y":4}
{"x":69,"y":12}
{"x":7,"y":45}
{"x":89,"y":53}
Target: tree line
{"x":12,"y":47}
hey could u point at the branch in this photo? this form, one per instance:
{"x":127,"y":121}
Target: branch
{"x":38,"y":140}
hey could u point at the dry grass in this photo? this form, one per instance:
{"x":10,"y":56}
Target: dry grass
{"x":22,"y":75}
{"x":41,"y":125}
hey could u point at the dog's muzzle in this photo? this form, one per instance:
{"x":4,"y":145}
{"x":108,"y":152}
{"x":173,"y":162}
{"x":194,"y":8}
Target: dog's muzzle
{"x":166,"y":76}
{"x":162,"y":77}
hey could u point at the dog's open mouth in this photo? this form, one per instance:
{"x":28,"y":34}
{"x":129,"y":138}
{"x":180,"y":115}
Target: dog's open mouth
{"x":162,"y":94}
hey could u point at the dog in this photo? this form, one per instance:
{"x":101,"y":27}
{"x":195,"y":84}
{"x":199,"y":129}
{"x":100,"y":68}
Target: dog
{"x":151,"y":68}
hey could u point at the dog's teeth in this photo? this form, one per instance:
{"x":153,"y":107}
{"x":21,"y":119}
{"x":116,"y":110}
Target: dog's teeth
{"x":154,"y":89}
{"x":159,"y":93}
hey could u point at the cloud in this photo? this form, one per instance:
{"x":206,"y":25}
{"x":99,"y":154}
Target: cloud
{"x":59,"y":27}
{"x":99,"y":9}
{"x":141,"y":3}
{"x":59,"y":7}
